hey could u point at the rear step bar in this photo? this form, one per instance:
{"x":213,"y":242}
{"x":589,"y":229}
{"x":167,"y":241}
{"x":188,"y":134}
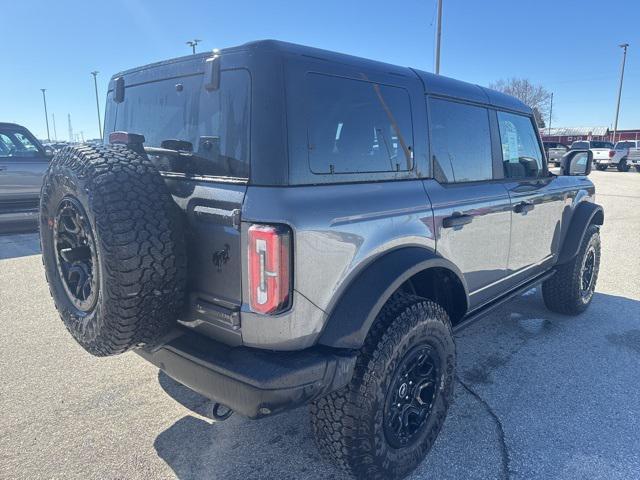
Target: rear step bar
{"x":481,"y":312}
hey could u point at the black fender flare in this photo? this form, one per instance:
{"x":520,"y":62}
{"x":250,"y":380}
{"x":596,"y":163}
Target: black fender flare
{"x":586,"y":213}
{"x":357,"y":307}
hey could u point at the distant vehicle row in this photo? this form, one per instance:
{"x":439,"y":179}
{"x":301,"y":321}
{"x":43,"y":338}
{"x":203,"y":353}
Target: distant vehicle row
{"x":623,"y":156}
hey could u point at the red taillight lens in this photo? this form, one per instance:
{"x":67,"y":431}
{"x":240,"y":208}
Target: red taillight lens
{"x":269,"y":268}
{"x":611,"y":153}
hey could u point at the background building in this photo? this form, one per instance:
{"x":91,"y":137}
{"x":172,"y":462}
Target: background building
{"x":568,"y":135}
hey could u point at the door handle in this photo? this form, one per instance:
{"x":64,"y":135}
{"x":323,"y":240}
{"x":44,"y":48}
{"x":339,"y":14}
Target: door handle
{"x":456,"y":220}
{"x":523,"y":207}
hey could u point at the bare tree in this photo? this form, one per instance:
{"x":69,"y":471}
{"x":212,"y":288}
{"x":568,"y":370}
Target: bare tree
{"x":535,"y":96}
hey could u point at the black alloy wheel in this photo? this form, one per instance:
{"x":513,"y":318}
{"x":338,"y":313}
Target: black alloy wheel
{"x":411,"y":396}
{"x":76,"y":254}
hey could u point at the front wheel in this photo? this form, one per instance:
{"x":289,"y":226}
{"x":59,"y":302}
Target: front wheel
{"x":601,"y":167}
{"x":623,"y":166}
{"x":637,"y":168}
{"x":386,"y":420}
{"x":571,"y":289}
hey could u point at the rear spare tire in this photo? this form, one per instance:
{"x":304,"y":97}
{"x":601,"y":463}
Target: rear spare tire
{"x":112,"y":248}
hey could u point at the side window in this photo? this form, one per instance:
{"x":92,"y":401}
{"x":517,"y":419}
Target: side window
{"x":357,"y":126}
{"x":521,"y":153}
{"x":460,"y":142}
{"x":16,"y":144}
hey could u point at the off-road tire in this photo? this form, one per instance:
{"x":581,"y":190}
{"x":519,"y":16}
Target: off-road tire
{"x":134,"y":226}
{"x":562,"y":292}
{"x":623,"y":166}
{"x":348,"y":424}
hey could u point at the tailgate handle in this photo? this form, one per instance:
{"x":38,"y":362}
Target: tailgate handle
{"x":456,"y":220}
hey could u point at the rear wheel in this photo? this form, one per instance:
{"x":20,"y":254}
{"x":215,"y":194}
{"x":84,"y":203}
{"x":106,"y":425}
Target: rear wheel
{"x":601,"y":167}
{"x":622,"y":165}
{"x":386,"y":420}
{"x":637,"y":168}
{"x":571,"y":289}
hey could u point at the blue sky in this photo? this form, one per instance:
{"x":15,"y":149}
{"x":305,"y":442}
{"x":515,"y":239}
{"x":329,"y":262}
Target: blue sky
{"x":570,"y":47}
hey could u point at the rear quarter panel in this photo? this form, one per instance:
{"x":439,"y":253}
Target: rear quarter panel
{"x":337,"y":231}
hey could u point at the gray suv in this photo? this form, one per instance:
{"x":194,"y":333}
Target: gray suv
{"x":23,"y":162}
{"x":274,"y":225}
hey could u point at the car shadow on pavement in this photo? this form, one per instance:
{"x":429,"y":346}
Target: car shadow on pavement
{"x":499,"y":359}
{"x":19,"y":245}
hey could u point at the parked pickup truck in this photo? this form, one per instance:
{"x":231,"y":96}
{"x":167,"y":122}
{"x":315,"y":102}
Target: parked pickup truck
{"x":626,"y":153}
{"x":555,"y":151}
{"x":275,"y":225}
{"x":23,"y":162}
{"x":602,"y":152}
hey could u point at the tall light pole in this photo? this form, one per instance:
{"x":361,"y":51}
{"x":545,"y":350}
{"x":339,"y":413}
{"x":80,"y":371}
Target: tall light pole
{"x":193,"y":43}
{"x":46,"y":115}
{"x":55,"y":133}
{"x":550,"y":112}
{"x":95,"y":84}
{"x":624,"y":47}
{"x":438,"y":37}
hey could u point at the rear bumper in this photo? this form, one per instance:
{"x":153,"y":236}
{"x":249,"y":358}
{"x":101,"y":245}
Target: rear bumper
{"x":255,"y":383}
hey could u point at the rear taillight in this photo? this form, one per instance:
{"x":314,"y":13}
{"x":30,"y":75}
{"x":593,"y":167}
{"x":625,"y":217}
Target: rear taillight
{"x":269,"y":268}
{"x":611,"y":153}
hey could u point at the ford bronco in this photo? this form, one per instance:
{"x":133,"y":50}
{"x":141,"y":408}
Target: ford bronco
{"x":274,"y":225}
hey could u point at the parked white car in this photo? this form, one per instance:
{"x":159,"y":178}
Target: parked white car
{"x":622,"y":157}
{"x":603,"y":152}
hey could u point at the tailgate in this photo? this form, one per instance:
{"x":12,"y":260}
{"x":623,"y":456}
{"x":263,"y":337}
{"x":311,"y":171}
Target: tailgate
{"x":600,"y":153}
{"x":214,"y":249}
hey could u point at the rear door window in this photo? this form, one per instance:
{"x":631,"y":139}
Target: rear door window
{"x":521,"y":154}
{"x":356,"y":126}
{"x":460,"y":142}
{"x":208,"y":129}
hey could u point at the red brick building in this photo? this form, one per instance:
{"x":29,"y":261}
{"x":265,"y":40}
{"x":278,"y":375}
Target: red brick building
{"x":569,"y":135}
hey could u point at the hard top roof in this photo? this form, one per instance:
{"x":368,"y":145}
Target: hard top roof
{"x":433,"y":84}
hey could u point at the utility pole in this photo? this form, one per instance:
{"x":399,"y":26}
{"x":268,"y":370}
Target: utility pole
{"x":55,"y":134}
{"x":95,"y":84}
{"x":192,"y":44}
{"x":624,"y":47}
{"x":70,"y":129}
{"x":550,"y":112}
{"x":438,"y":37}
{"x":46,"y":115}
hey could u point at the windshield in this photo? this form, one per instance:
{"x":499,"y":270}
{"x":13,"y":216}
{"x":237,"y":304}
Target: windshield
{"x":625,"y":145}
{"x":201,"y":132}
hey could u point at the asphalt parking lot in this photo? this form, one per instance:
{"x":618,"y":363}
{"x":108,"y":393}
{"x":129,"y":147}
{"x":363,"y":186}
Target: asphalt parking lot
{"x":538,"y":396}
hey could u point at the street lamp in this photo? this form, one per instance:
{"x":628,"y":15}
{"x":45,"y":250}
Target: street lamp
{"x":438,"y":37}
{"x":624,"y":47}
{"x":95,"y":84}
{"x":193,"y":43}
{"x":46,"y":115}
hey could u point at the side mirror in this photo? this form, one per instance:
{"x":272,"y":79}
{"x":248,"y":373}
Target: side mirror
{"x":576,"y":162}
{"x":49,"y":152}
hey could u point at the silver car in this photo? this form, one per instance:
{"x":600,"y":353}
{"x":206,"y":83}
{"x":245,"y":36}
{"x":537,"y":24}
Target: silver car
{"x":23,"y":162}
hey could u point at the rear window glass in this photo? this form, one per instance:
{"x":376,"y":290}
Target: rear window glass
{"x":460,"y":142}
{"x":579,"y":145}
{"x":358,"y":126}
{"x":601,"y":145}
{"x":625,"y":145}
{"x":202,"y":132}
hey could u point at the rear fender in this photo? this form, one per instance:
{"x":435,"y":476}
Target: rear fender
{"x":354,"y":313}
